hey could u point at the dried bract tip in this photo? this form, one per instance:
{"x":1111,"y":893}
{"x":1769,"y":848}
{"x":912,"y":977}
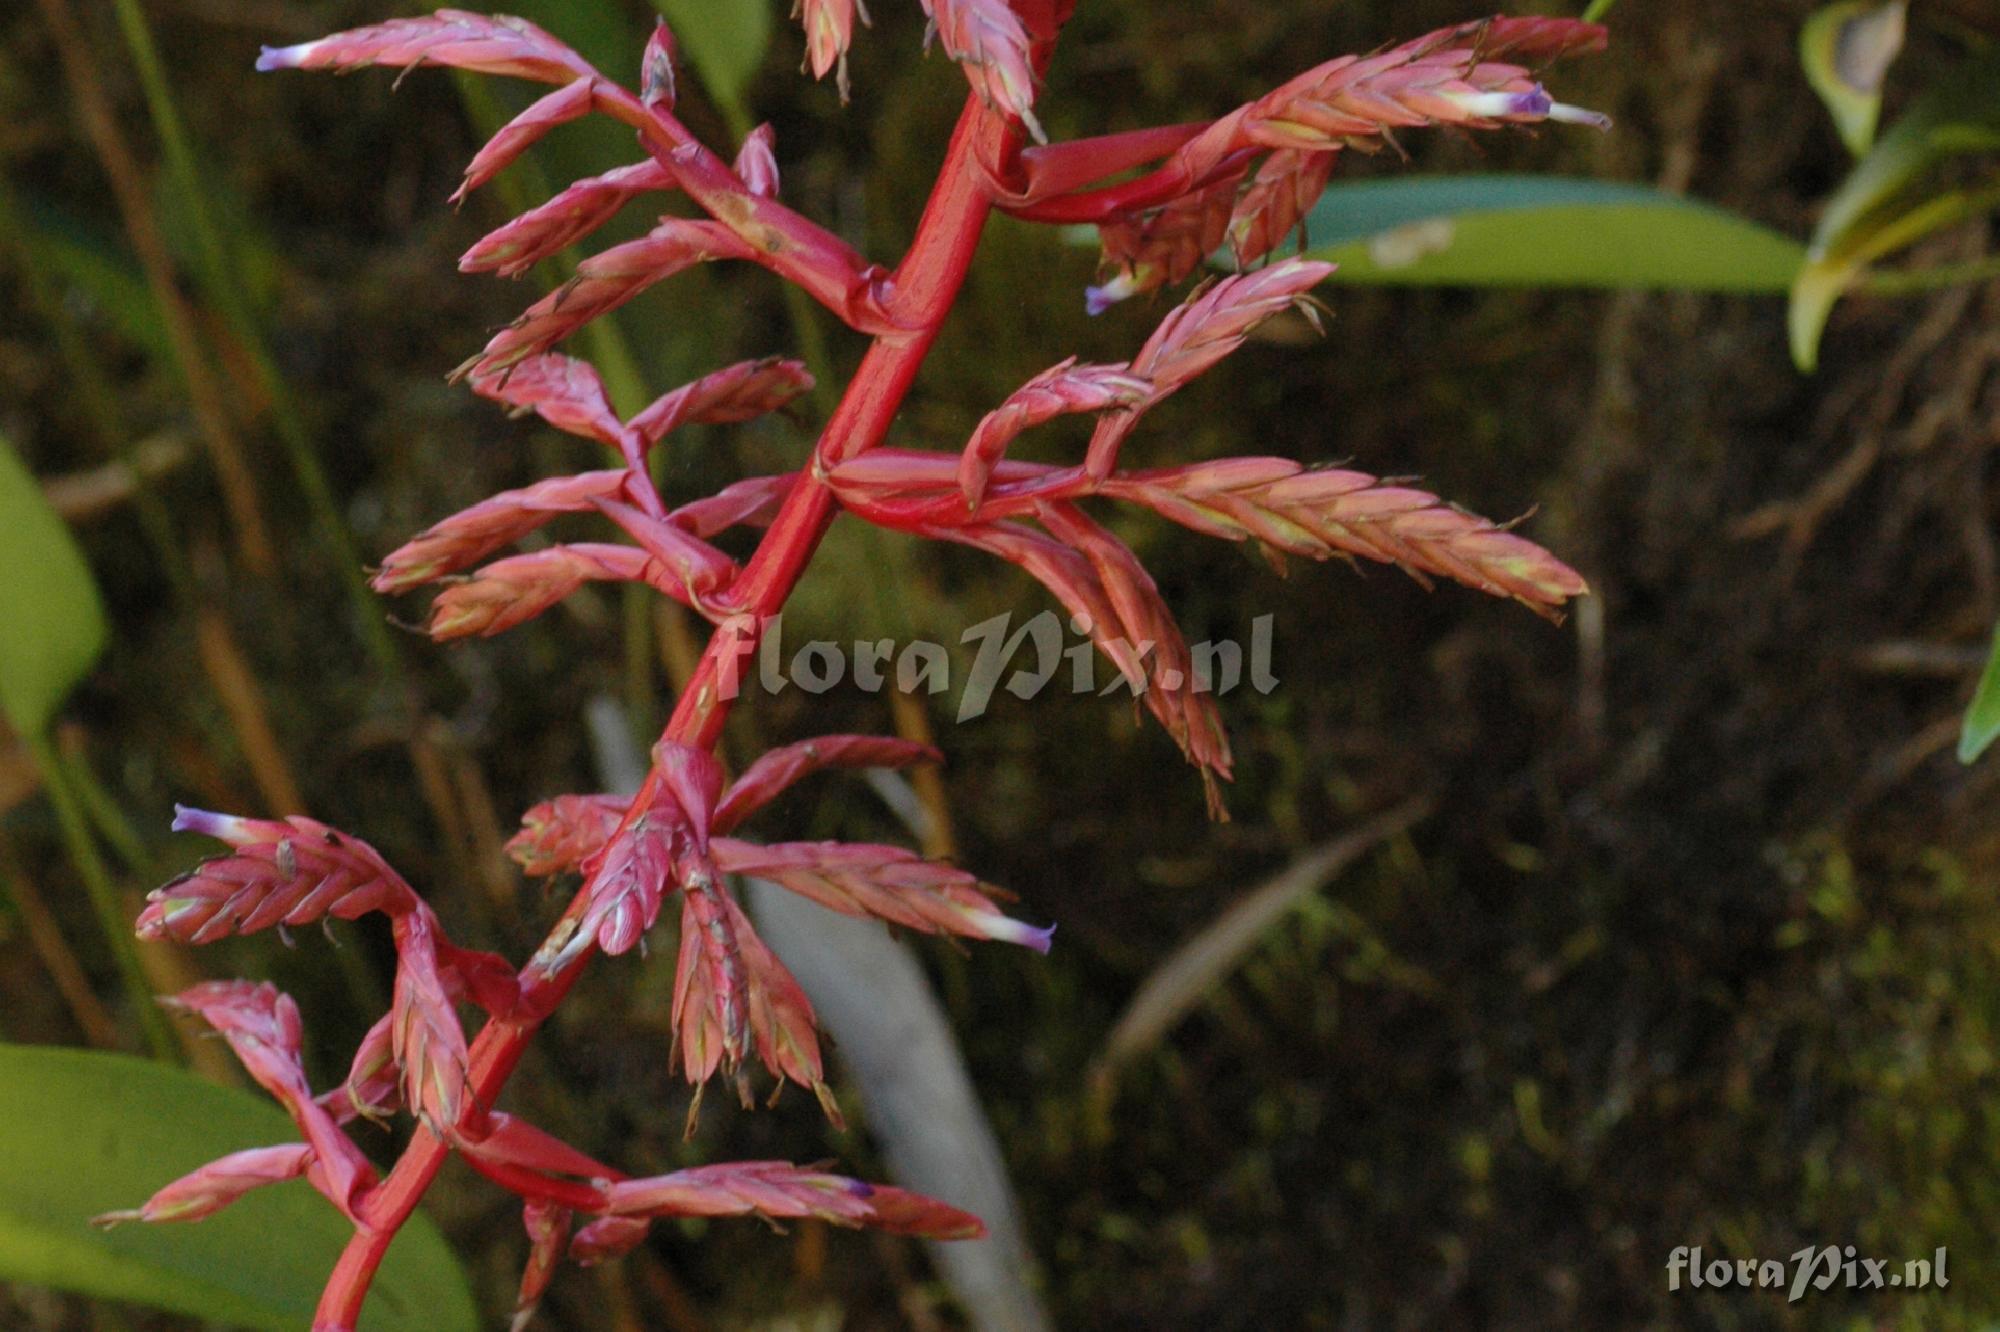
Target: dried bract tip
{"x":656,"y":69}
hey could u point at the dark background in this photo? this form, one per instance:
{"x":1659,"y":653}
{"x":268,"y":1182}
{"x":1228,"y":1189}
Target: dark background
{"x":1700,"y":945}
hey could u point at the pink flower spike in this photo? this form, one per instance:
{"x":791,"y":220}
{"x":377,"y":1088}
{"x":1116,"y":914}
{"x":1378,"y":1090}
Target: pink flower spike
{"x":885,"y":882}
{"x":262,"y":1028}
{"x":1212,"y":323}
{"x":561,"y":834}
{"x":987,"y":37}
{"x":741,"y":392}
{"x":782,"y":1021}
{"x":711,"y":1009}
{"x":1532,"y":39}
{"x":606,"y":1238}
{"x":428,"y":1042}
{"x":602,"y":283}
{"x":1161,"y":246}
{"x":208,"y":1190}
{"x":374,"y":1086}
{"x":1449,"y":77}
{"x":1171,"y":693}
{"x":513,"y":1141}
{"x":470,"y":535}
{"x":567,"y":393}
{"x":484,"y":980}
{"x":693,"y":778}
{"x":1286,"y":187}
{"x":572,"y":214}
{"x":780,"y":1191}
{"x":757,"y":161}
{"x":548,"y":1230}
{"x":572,"y":101}
{"x":629,"y":879}
{"x":281,"y":872}
{"x":1215,"y":321}
{"x":752,"y":502}
{"x":697,"y":567}
{"x":1100,"y":583}
{"x":515,"y":590}
{"x":829,"y":26}
{"x":1065,"y":389}
{"x":779,"y":769}
{"x":498,"y":44}
{"x":1325,"y":512}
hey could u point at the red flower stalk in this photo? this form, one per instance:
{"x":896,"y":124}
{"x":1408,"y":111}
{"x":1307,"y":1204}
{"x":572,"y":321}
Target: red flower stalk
{"x":1181,"y":192}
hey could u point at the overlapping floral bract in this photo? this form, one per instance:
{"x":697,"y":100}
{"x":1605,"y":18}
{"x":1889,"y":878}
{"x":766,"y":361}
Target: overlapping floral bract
{"x":1241,"y":182}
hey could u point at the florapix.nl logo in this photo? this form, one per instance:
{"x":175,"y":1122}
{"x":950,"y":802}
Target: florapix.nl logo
{"x":1024,"y":657}
{"x":1813,"y":1268}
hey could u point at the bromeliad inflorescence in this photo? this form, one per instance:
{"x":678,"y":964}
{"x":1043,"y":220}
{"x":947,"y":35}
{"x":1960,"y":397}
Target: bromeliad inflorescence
{"x":1240,"y":183}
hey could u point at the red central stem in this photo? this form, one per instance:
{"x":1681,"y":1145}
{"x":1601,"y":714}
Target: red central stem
{"x":924,"y":287}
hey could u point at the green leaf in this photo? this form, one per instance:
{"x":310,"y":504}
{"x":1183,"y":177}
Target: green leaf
{"x":1883,"y":206}
{"x":48,"y":603}
{"x":93,"y":265}
{"x":1535,"y":231}
{"x":89,"y":1133}
{"x":725,"y":41}
{"x":1846,"y":50}
{"x":1982,"y":719}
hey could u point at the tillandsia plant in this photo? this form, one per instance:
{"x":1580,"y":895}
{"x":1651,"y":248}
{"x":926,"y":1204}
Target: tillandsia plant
{"x":1174,"y":197}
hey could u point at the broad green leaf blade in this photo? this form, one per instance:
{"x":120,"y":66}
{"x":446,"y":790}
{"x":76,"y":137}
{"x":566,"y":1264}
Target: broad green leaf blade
{"x":1875,"y":210}
{"x":54,"y":621}
{"x":725,"y":41}
{"x":1846,"y":50}
{"x":1537,"y":231}
{"x":1982,"y":719}
{"x":88,"y":1133}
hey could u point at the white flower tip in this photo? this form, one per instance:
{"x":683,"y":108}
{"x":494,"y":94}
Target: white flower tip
{"x":1096,"y":300}
{"x":1005,"y":929}
{"x":222,"y":827}
{"x":1578,"y":115}
{"x":284,"y":57}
